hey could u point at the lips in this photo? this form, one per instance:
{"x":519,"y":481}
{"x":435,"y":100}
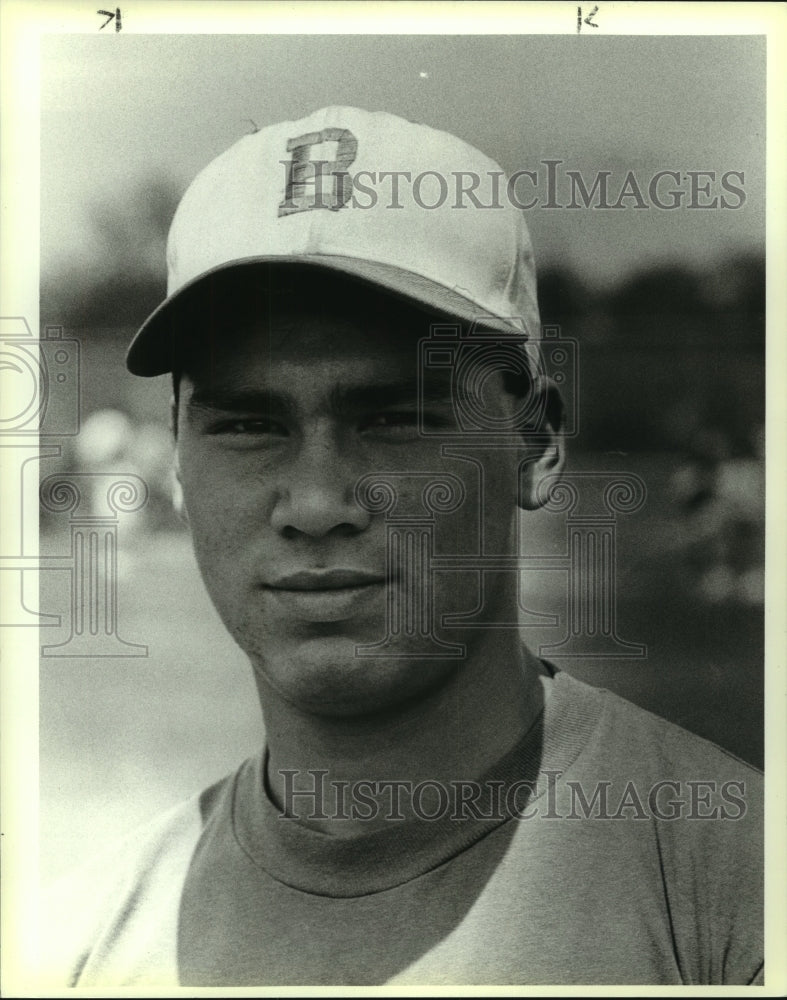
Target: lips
{"x":336,"y":579}
{"x":326,"y":596}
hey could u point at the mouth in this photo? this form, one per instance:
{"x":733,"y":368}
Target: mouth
{"x":326,"y":580}
{"x":326,"y":596}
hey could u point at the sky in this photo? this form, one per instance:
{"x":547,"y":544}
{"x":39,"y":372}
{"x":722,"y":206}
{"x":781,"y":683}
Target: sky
{"x":118,"y":110}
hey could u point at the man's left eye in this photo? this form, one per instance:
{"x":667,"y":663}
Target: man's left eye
{"x":399,"y":425}
{"x":404,"y":425}
{"x":385,"y":420}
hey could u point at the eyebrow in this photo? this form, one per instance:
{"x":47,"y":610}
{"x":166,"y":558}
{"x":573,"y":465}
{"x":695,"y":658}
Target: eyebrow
{"x":240,"y":401}
{"x":375,"y":397}
{"x":341,"y":398}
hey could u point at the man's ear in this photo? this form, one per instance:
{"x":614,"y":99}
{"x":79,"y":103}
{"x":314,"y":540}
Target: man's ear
{"x":173,"y":416}
{"x":543,"y":446}
{"x":178,"y":503}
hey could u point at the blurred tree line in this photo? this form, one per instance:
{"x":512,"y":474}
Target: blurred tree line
{"x":672,"y":364}
{"x":122,"y":277}
{"x":670,"y":359}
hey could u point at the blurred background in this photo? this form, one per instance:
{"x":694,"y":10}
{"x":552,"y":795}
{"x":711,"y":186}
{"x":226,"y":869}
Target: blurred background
{"x":667,"y":308}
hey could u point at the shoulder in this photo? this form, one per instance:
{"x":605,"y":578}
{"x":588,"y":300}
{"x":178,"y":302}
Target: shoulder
{"x":113,"y":919}
{"x":698,"y":810}
{"x":698,"y":792}
{"x":647,"y":744}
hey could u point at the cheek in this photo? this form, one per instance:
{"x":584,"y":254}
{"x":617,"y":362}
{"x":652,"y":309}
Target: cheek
{"x":216,"y":481}
{"x":487,"y":509}
{"x":226,"y":511}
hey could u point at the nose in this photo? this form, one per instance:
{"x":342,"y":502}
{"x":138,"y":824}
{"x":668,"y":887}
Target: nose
{"x":316,"y":497}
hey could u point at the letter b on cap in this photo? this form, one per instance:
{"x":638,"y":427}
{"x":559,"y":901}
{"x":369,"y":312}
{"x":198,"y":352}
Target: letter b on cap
{"x":318,"y":183}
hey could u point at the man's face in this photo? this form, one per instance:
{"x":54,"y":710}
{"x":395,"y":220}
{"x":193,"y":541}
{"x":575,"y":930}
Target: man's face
{"x":278,"y":420}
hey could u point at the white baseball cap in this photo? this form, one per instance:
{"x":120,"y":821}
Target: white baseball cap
{"x":366,"y":194}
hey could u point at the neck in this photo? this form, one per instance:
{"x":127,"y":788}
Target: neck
{"x":455,"y":733}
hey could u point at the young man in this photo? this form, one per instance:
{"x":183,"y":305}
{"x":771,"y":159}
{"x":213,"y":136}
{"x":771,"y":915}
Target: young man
{"x":359,"y":413}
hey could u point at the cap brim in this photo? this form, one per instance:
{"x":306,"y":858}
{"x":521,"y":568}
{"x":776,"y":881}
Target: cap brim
{"x":151,"y":350}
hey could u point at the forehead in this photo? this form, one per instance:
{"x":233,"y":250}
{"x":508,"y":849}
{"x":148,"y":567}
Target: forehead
{"x":315,"y":323}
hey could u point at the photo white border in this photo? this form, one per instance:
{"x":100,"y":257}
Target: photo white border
{"x":21,"y":27}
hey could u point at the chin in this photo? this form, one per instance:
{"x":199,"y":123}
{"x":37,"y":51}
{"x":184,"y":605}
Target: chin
{"x":325,"y":677}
